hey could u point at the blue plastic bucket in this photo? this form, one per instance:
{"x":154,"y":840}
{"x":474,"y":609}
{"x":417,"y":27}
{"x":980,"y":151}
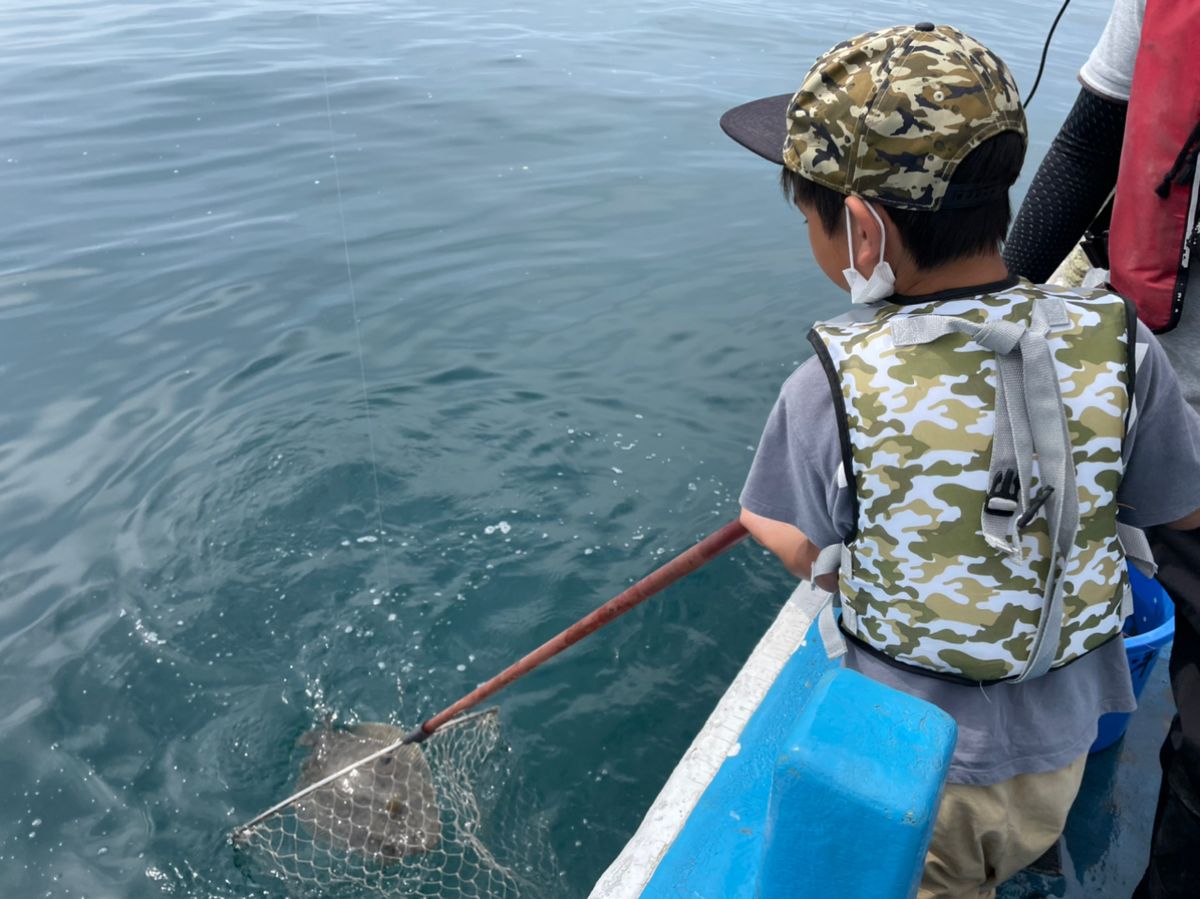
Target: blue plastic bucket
{"x":1147,"y":631}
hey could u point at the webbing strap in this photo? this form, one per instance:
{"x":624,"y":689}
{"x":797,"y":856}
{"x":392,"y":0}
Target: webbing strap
{"x":815,"y":604}
{"x":828,"y":560}
{"x":1137,"y":548}
{"x":1052,"y":310}
{"x":1056,"y":467}
{"x":1030,"y":420}
{"x":1127,"y":602}
{"x":831,"y":635}
{"x":912,"y":330}
{"x":1012,"y":450}
{"x":1047,"y":418}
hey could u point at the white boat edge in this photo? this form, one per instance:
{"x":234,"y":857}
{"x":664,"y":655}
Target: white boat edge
{"x":717,"y":740}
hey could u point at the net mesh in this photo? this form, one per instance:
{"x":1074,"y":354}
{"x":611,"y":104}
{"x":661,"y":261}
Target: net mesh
{"x":417,"y":821}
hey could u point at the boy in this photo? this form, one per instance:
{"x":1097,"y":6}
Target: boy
{"x":962,"y":440}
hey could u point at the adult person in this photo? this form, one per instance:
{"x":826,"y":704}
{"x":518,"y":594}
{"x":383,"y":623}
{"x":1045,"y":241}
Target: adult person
{"x":1136,"y":126}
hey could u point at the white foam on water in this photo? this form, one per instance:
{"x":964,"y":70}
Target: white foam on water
{"x":147,"y":636}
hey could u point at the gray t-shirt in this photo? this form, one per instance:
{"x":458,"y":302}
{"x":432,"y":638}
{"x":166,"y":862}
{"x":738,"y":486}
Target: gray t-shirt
{"x":1004,"y":729}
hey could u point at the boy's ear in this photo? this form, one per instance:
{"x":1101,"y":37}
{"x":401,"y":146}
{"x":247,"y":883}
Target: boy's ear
{"x":865,"y":234}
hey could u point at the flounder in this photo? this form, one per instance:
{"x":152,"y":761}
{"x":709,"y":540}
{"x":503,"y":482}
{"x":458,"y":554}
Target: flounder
{"x":384,"y":810}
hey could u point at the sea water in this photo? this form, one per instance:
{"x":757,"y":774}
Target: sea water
{"x":351,"y":349}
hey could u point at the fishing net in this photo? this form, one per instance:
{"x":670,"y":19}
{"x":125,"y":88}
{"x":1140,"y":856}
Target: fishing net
{"x":373,"y":818}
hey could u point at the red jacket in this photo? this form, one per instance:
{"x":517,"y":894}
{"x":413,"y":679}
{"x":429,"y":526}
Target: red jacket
{"x":1155,"y":232}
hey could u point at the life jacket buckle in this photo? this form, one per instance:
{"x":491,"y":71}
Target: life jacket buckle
{"x":1003,"y":498}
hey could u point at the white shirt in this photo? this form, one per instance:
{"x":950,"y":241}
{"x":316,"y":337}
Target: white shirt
{"x":1109,"y":70}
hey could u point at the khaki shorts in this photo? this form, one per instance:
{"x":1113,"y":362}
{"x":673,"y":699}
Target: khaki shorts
{"x":985,"y":835}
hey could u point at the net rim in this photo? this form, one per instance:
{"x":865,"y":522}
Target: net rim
{"x":239,"y":836}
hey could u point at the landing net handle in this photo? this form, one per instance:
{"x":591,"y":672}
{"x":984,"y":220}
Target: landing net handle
{"x":716,"y":543}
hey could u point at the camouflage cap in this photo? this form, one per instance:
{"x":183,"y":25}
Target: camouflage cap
{"x":889,"y":115}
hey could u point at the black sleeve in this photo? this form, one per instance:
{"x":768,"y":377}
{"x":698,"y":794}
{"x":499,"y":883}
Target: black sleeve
{"x":1072,"y":183}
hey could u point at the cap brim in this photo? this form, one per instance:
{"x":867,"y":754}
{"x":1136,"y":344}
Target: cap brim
{"x":760,"y":126}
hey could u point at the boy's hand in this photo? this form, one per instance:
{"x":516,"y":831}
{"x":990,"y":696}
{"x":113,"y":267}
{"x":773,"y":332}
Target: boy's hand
{"x":795,"y":551}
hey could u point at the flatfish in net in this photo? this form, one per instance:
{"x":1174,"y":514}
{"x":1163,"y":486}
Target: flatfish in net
{"x":385,"y":809}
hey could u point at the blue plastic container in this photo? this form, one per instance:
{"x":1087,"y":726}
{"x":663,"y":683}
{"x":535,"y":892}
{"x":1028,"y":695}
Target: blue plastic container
{"x":863,"y":766}
{"x":1147,"y":631}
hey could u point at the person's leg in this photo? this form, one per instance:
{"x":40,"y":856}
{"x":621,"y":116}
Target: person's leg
{"x":1174,"y":866}
{"x":984,"y":835}
{"x":1173,"y":871}
{"x":956,"y":866}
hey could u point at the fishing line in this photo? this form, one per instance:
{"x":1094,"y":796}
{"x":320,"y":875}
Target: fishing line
{"x":1045,"y":50}
{"x":387,"y":813}
{"x":362,"y":365}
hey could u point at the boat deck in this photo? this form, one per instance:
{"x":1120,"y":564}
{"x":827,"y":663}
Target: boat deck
{"x":1108,"y":832}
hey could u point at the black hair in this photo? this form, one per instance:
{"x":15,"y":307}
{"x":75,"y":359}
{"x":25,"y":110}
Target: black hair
{"x":935,"y":238}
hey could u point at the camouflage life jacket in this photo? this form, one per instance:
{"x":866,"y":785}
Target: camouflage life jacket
{"x":964,"y":561}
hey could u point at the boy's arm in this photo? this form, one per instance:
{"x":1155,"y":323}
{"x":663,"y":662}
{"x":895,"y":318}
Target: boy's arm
{"x":795,"y":551}
{"x":1161,"y":483}
{"x":1187,"y":523}
{"x":792,"y":503}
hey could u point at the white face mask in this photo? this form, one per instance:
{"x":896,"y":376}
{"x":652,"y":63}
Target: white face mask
{"x":882,"y":283}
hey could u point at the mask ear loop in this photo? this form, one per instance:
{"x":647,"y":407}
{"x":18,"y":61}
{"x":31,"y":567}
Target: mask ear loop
{"x":850,"y":238}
